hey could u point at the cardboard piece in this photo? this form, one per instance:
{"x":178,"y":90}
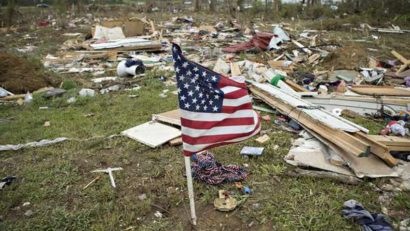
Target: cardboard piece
{"x":108,"y":33}
{"x":263,"y":139}
{"x":152,"y":133}
{"x":131,"y":27}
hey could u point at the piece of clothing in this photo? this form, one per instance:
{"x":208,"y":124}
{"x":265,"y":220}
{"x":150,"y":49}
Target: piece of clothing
{"x":215,"y":110}
{"x":260,"y":41}
{"x":368,"y":221}
{"x":206,"y":169}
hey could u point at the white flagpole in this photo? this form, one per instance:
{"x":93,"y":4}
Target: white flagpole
{"x":190,"y":188}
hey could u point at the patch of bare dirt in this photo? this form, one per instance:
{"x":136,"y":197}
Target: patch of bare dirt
{"x":19,"y":75}
{"x":349,"y":57}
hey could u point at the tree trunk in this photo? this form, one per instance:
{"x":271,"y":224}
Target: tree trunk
{"x":212,"y":5}
{"x":197,"y":5}
{"x":278,"y":5}
{"x":239,"y":5}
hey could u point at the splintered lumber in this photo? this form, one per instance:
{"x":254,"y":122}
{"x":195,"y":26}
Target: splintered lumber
{"x":406,"y":62}
{"x":342,"y":133}
{"x":377,"y":148}
{"x":325,"y":175}
{"x":380,"y":90}
{"x":394,"y":143}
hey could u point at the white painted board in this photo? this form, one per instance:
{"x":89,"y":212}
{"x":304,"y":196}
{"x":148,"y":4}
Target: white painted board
{"x":152,"y":133}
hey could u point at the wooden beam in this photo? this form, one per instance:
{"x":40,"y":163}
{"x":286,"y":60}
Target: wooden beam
{"x":295,"y":86}
{"x":377,"y":148}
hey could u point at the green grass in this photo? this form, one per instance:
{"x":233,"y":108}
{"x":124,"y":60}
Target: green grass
{"x":51,"y":178}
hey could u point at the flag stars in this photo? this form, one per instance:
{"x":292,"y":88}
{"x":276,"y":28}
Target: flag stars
{"x":189,"y":73}
{"x":179,"y":90}
{"x":205,"y":107}
{"x":201,"y":95}
{"x":215,"y":108}
{"x":181,"y":77}
{"x":214,"y":78}
{"x":204,"y":73}
{"x":183,"y":98}
{"x":194,"y":100}
{"x":177,"y":69}
{"x":190,"y":93}
{"x":203,"y":101}
{"x":197,"y":89}
{"x":193,"y":80}
{"x":216,"y":96}
{"x":186,"y":85}
{"x":185,"y":65}
{"x":196,"y":69}
{"x":211,"y":102}
{"x":187,"y":105}
{"x":197,"y":107}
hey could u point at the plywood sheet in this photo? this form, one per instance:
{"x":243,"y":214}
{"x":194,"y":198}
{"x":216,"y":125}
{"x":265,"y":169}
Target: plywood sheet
{"x":152,"y":133}
{"x":170,"y":117}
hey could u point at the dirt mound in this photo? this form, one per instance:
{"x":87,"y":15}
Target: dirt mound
{"x":19,"y":75}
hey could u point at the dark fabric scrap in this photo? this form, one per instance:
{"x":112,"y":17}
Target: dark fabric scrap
{"x":205,"y":168}
{"x":368,"y":221}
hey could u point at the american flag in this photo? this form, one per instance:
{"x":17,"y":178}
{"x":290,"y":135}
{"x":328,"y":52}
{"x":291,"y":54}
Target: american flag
{"x":215,"y":109}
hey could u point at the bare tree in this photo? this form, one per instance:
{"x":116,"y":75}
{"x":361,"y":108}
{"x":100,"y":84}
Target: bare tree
{"x":197,"y":5}
{"x":212,"y":5}
{"x":239,"y":5}
{"x":277,"y":5}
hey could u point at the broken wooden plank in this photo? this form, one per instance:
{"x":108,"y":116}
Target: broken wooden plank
{"x":295,"y":86}
{"x":235,"y":70}
{"x":171,"y":117}
{"x":406,"y":62}
{"x":342,"y":139}
{"x":176,"y":141}
{"x":300,"y":45}
{"x":392,"y":140}
{"x":380,"y":90}
{"x":377,"y":148}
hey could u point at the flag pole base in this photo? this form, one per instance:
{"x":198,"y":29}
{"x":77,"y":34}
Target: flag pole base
{"x":190,"y":189}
